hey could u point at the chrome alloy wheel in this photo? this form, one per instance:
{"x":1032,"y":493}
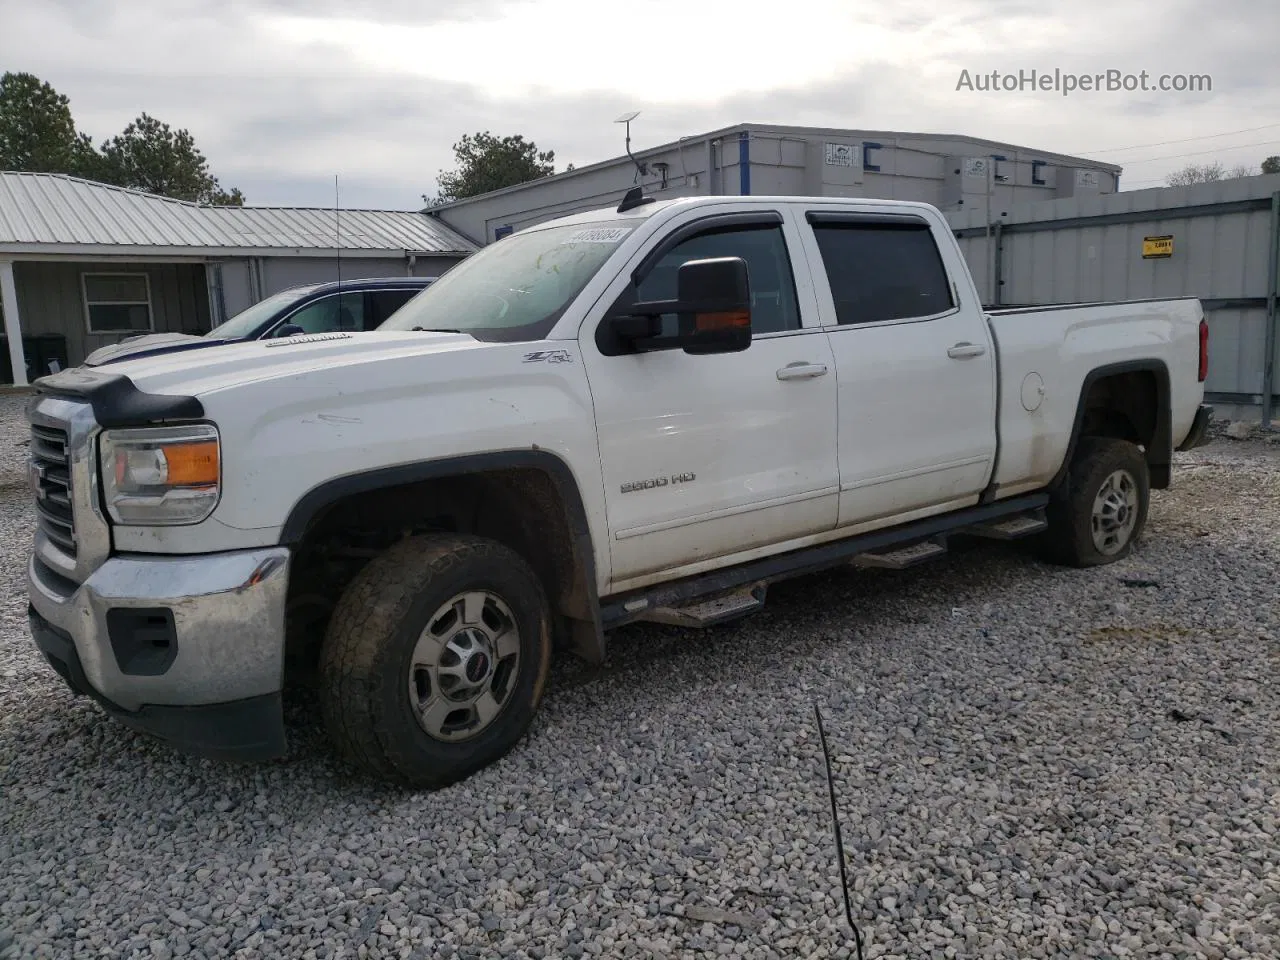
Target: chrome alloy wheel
{"x":464,"y":666}
{"x":1115,"y":513}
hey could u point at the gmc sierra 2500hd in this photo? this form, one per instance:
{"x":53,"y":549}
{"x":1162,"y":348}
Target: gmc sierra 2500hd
{"x":641,"y":413}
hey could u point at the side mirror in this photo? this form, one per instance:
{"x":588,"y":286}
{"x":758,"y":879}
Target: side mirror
{"x":712,"y":306}
{"x":289,"y":330}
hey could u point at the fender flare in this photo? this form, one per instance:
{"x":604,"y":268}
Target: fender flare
{"x":314,"y":502}
{"x":1159,"y":452}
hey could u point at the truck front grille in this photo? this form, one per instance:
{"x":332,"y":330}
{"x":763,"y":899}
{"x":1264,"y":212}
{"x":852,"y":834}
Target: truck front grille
{"x":51,"y":483}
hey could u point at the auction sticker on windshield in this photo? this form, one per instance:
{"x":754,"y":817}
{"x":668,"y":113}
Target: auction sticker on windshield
{"x":597,"y":235}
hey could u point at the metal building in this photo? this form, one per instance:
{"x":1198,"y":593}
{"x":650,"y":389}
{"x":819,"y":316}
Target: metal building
{"x":84,"y":264}
{"x":951,"y":172}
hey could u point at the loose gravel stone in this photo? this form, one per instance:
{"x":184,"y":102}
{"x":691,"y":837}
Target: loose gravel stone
{"x":1011,"y":781}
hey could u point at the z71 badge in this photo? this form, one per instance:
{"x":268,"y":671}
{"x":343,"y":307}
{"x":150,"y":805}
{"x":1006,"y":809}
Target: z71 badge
{"x":656,"y":482}
{"x":548,"y":356}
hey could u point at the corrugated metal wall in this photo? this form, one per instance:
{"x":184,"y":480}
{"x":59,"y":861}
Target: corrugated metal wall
{"x":51,"y":300}
{"x":1226,"y":248}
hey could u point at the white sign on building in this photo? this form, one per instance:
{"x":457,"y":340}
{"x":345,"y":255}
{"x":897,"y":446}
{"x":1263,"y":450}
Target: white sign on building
{"x":840,"y":154}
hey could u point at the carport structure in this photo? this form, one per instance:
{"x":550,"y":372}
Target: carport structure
{"x":85,"y":264}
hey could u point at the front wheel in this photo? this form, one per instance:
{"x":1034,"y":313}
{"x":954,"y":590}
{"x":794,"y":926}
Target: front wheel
{"x":435,"y":659}
{"x":1105,"y":509}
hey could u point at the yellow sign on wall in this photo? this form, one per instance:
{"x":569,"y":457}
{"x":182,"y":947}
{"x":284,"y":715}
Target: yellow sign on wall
{"x":1157,"y":248}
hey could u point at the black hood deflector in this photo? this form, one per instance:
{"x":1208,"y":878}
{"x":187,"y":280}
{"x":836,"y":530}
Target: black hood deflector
{"x":116,"y":401}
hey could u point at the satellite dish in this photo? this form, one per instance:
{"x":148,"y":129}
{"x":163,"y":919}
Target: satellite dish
{"x":626,"y":118}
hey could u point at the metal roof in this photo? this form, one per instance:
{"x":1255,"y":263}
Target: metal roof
{"x":55,"y":213}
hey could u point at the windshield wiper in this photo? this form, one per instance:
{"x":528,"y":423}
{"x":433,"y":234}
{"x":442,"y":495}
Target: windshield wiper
{"x":434,"y":330}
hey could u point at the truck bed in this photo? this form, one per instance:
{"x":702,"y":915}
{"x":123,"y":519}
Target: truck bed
{"x":1057,"y":348}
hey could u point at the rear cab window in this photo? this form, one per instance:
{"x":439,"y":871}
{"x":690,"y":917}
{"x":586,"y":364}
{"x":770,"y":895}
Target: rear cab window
{"x":881,"y":267}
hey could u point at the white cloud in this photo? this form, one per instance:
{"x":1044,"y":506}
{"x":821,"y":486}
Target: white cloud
{"x":664,"y":51}
{"x":281,"y":94}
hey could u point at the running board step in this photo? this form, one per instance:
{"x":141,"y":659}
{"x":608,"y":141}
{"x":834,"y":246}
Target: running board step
{"x":711,"y":611}
{"x":902,"y":557}
{"x":1011,"y":529}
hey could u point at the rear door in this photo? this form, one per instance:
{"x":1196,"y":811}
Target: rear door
{"x":914,"y":362}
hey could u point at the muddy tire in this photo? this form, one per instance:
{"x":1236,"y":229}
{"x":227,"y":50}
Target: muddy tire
{"x":1105,"y":509}
{"x":435,"y":660}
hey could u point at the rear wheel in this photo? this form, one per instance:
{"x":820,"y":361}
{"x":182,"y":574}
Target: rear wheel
{"x":1105,"y":508}
{"x":435,"y":659}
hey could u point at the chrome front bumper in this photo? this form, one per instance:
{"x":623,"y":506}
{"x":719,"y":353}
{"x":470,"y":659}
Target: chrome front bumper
{"x":183,"y":647}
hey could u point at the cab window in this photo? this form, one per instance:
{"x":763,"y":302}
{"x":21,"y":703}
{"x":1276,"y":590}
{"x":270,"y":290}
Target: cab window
{"x":383,"y":303}
{"x":882,"y":272}
{"x":773,"y":290}
{"x":332,"y":314}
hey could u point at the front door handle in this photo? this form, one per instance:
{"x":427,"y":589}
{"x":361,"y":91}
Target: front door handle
{"x":965,"y":350}
{"x":802,"y":371}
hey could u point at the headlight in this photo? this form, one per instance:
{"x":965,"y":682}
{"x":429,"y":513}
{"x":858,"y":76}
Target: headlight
{"x":161,"y":476}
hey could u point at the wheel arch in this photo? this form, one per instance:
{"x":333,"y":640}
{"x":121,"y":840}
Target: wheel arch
{"x":573,"y":591}
{"x":1142,"y":390}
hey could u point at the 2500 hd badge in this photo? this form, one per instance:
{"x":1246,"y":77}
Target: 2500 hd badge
{"x":657,"y":482}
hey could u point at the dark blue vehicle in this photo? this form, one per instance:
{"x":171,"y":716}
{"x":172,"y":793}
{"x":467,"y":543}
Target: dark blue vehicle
{"x":315,"y":308}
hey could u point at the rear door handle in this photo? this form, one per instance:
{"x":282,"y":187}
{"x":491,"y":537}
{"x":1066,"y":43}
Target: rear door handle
{"x":965,"y":350}
{"x":802,"y":371}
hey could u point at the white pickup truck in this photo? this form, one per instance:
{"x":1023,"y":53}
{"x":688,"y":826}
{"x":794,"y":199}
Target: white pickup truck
{"x":641,"y":413}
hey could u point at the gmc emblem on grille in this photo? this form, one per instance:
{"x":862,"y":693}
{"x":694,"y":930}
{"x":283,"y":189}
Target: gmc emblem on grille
{"x":35,"y":474}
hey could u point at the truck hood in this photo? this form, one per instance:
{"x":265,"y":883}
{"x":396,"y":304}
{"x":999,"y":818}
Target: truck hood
{"x":147,"y":345}
{"x":199,"y":373}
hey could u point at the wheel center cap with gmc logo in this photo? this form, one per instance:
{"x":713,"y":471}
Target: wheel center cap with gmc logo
{"x":477,"y":666}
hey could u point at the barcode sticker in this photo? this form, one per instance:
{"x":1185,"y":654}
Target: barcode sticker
{"x":598,"y":235}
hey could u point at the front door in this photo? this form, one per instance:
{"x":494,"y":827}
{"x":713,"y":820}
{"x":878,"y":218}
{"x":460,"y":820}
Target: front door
{"x":707,"y":456}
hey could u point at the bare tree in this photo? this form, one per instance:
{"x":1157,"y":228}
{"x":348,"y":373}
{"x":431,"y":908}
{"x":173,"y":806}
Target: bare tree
{"x":1207,"y":173}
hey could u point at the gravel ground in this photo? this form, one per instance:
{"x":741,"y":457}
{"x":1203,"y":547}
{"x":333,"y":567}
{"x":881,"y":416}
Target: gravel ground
{"x":13,"y":440}
{"x":1031,"y":762}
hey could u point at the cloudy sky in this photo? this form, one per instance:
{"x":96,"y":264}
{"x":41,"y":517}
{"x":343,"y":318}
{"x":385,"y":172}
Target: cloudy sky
{"x":283,"y":94}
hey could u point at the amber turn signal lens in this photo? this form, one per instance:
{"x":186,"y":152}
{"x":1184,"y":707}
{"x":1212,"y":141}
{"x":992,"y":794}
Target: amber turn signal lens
{"x":192,"y":464}
{"x":161,"y":476}
{"x":727,"y":320}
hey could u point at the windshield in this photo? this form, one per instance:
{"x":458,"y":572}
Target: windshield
{"x":247,"y":321}
{"x":514,"y":289}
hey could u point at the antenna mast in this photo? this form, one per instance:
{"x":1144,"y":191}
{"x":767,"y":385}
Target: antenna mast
{"x":337,"y":234}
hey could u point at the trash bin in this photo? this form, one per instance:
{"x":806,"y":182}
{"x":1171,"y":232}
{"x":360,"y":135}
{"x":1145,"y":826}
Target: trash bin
{"x":50,"y":351}
{"x":45,"y":353}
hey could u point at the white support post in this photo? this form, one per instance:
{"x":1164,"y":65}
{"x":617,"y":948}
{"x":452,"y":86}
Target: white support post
{"x":12,"y":325}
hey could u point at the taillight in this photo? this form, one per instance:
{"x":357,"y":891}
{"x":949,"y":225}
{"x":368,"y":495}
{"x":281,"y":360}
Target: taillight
{"x":1204,"y":349}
